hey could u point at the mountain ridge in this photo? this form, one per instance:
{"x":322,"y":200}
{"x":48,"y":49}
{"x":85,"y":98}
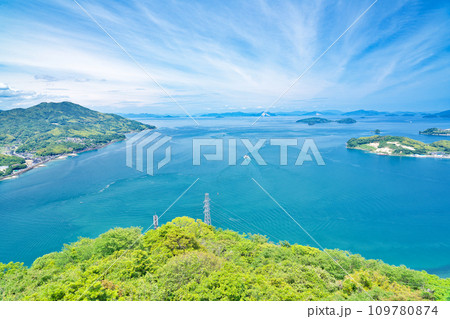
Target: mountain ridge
{"x":48,"y":129}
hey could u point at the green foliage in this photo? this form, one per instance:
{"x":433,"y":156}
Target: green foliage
{"x":58,"y":128}
{"x":8,"y":160}
{"x":186,"y":259}
{"x":443,"y":146}
{"x":13,"y":163}
{"x":399,"y":145}
{"x":436,"y":131}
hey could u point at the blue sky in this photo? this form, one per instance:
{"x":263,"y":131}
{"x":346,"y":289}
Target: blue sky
{"x":215,"y":56}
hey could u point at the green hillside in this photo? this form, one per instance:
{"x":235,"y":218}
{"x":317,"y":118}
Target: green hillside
{"x":398,"y":145}
{"x":189,"y":260}
{"x":57,"y":128}
{"x":436,"y":131}
{"x":10,"y":163}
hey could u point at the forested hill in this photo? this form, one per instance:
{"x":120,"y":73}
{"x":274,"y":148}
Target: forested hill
{"x":56,"y":128}
{"x":189,"y":260}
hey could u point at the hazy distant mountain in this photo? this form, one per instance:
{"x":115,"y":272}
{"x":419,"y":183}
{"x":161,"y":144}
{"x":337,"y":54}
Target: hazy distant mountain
{"x":309,"y":113}
{"x":444,"y":114}
{"x":361,"y":113}
{"x":289,"y":113}
{"x":364,"y":113}
{"x":401,"y":114}
{"x":146,"y":115}
{"x":237,"y":114}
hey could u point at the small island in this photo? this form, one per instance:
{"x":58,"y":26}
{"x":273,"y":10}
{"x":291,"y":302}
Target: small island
{"x":313,"y":120}
{"x":347,"y":120}
{"x":30,"y":137}
{"x":436,"y":131}
{"x":320,"y":120}
{"x":400,"y":146}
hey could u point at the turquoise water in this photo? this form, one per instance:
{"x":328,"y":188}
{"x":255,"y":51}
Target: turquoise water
{"x":390,"y":208}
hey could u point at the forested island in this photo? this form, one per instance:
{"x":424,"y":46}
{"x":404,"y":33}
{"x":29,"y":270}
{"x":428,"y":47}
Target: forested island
{"x":188,"y":260}
{"x":320,"y":120}
{"x":29,"y":137}
{"x":400,"y":146}
{"x":436,"y":131}
{"x":347,"y":120}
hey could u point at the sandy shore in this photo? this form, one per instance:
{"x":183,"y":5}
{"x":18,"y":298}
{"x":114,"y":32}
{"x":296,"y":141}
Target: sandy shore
{"x":399,"y":155}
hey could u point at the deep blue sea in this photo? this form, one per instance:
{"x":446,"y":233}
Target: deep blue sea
{"x":390,"y":208}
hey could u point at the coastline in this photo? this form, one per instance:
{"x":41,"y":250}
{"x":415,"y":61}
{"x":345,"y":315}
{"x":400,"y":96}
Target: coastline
{"x":401,"y":155}
{"x":59,"y":156}
{"x":55,"y":157}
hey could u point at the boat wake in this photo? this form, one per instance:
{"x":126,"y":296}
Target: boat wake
{"x":106,"y":187}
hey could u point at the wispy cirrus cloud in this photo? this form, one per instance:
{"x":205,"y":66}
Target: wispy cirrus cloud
{"x":229,"y":55}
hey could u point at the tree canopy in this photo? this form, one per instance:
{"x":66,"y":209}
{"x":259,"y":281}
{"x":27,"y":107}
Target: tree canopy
{"x":185,"y":259}
{"x":57,"y":128}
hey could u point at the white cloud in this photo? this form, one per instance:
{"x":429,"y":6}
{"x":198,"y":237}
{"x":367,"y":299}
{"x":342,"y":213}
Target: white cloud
{"x":8,"y":93}
{"x":209,"y":55}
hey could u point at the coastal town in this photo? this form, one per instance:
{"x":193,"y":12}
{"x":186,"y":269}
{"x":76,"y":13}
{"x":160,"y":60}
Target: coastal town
{"x":22,"y":162}
{"x":31,"y":137}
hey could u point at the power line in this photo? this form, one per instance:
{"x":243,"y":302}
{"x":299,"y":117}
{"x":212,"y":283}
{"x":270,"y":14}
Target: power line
{"x":246,"y":221}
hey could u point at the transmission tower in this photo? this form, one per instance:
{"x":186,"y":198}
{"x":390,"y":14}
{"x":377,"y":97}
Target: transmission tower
{"x":206,"y":211}
{"x":155,"y":221}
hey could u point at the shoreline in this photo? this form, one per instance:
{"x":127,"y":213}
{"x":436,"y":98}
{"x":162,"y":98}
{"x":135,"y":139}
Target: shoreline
{"x":55,"y":157}
{"x":398,"y":155}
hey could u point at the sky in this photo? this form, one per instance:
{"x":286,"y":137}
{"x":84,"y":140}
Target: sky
{"x":224,"y":56}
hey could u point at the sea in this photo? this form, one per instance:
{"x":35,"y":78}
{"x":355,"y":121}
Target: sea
{"x":395,"y":209}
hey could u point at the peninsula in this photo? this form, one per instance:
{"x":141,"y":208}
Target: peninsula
{"x":400,"y":146}
{"x":436,"y":131}
{"x":32,"y":136}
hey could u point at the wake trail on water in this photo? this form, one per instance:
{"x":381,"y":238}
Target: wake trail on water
{"x":106,"y":187}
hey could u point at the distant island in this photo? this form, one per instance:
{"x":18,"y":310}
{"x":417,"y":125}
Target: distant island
{"x":238,"y":114}
{"x":313,"y":120}
{"x":436,"y":131}
{"x":347,"y":120}
{"x":148,"y":115}
{"x":186,"y":259}
{"x":364,"y":113}
{"x":445,"y":114}
{"x":32,"y":136}
{"x":358,"y":113}
{"x":401,"y":114}
{"x":320,"y":120}
{"x":400,"y":146}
